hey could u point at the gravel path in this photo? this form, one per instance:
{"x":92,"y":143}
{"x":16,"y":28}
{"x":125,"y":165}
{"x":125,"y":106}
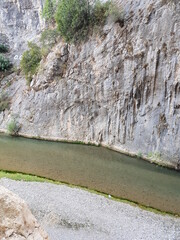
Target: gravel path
{"x":74,"y":214}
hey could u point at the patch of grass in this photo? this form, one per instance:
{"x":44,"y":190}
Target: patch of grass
{"x":154,"y":155}
{"x":20,"y":176}
{"x":139,"y":154}
{"x":81,"y":143}
{"x":32,"y":178}
{"x":13,"y":127}
{"x":30,"y":61}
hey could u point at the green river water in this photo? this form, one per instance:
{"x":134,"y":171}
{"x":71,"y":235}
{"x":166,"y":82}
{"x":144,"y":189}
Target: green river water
{"x":96,"y":168}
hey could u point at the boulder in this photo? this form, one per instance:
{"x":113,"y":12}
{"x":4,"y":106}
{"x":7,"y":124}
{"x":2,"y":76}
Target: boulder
{"x":16,"y":220}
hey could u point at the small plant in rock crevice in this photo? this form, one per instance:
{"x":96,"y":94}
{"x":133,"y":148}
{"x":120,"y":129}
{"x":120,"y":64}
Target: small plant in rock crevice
{"x":105,"y":10}
{"x":139,"y":154}
{"x":154,"y":155}
{"x":13,"y":128}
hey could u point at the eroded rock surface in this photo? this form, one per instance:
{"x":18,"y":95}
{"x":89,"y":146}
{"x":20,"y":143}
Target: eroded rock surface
{"x":121,"y":88}
{"x":20,"y":22}
{"x":16,"y":220}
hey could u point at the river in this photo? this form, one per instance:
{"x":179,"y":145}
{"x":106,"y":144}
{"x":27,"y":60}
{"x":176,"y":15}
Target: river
{"x":96,"y":168}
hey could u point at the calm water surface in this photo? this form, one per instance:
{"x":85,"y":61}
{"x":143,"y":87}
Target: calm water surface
{"x":96,"y":168}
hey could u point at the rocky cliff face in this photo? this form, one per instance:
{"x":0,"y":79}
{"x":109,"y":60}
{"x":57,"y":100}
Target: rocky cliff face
{"x":20,"y":22}
{"x":121,"y":88}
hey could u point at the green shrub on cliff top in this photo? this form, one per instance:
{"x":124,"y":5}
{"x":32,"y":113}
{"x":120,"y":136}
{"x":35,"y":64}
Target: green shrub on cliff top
{"x":30,"y":61}
{"x":76,"y":17}
{"x":73,"y":17}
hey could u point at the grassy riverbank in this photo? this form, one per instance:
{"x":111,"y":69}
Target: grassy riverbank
{"x":32,"y":178}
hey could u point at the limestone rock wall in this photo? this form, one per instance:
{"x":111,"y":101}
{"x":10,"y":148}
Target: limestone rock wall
{"x":121,"y":88}
{"x":20,"y":22}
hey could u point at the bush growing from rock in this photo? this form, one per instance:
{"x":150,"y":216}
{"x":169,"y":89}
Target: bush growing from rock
{"x":73,"y":18}
{"x":4,"y":63}
{"x":48,"y":39}
{"x":30,"y":61}
{"x":76,"y":17}
{"x":49,"y":10}
{"x":13,"y":127}
{"x":115,"y":14}
{"x":100,"y":12}
{"x":49,"y":36}
{"x":3,"y":48}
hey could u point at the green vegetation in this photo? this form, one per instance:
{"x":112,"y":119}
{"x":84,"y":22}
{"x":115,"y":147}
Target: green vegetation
{"x":30,"y":61}
{"x":115,"y":14}
{"x":49,"y":10}
{"x":20,"y":176}
{"x":139,"y":155}
{"x":32,"y":178}
{"x":3,"y":48}
{"x":76,"y":17}
{"x":73,"y":18}
{"x":100,"y":12}
{"x":4,"y":102}
{"x":4,"y":63}
{"x":13,"y":127}
{"x":48,"y":39}
{"x":154,"y":156}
